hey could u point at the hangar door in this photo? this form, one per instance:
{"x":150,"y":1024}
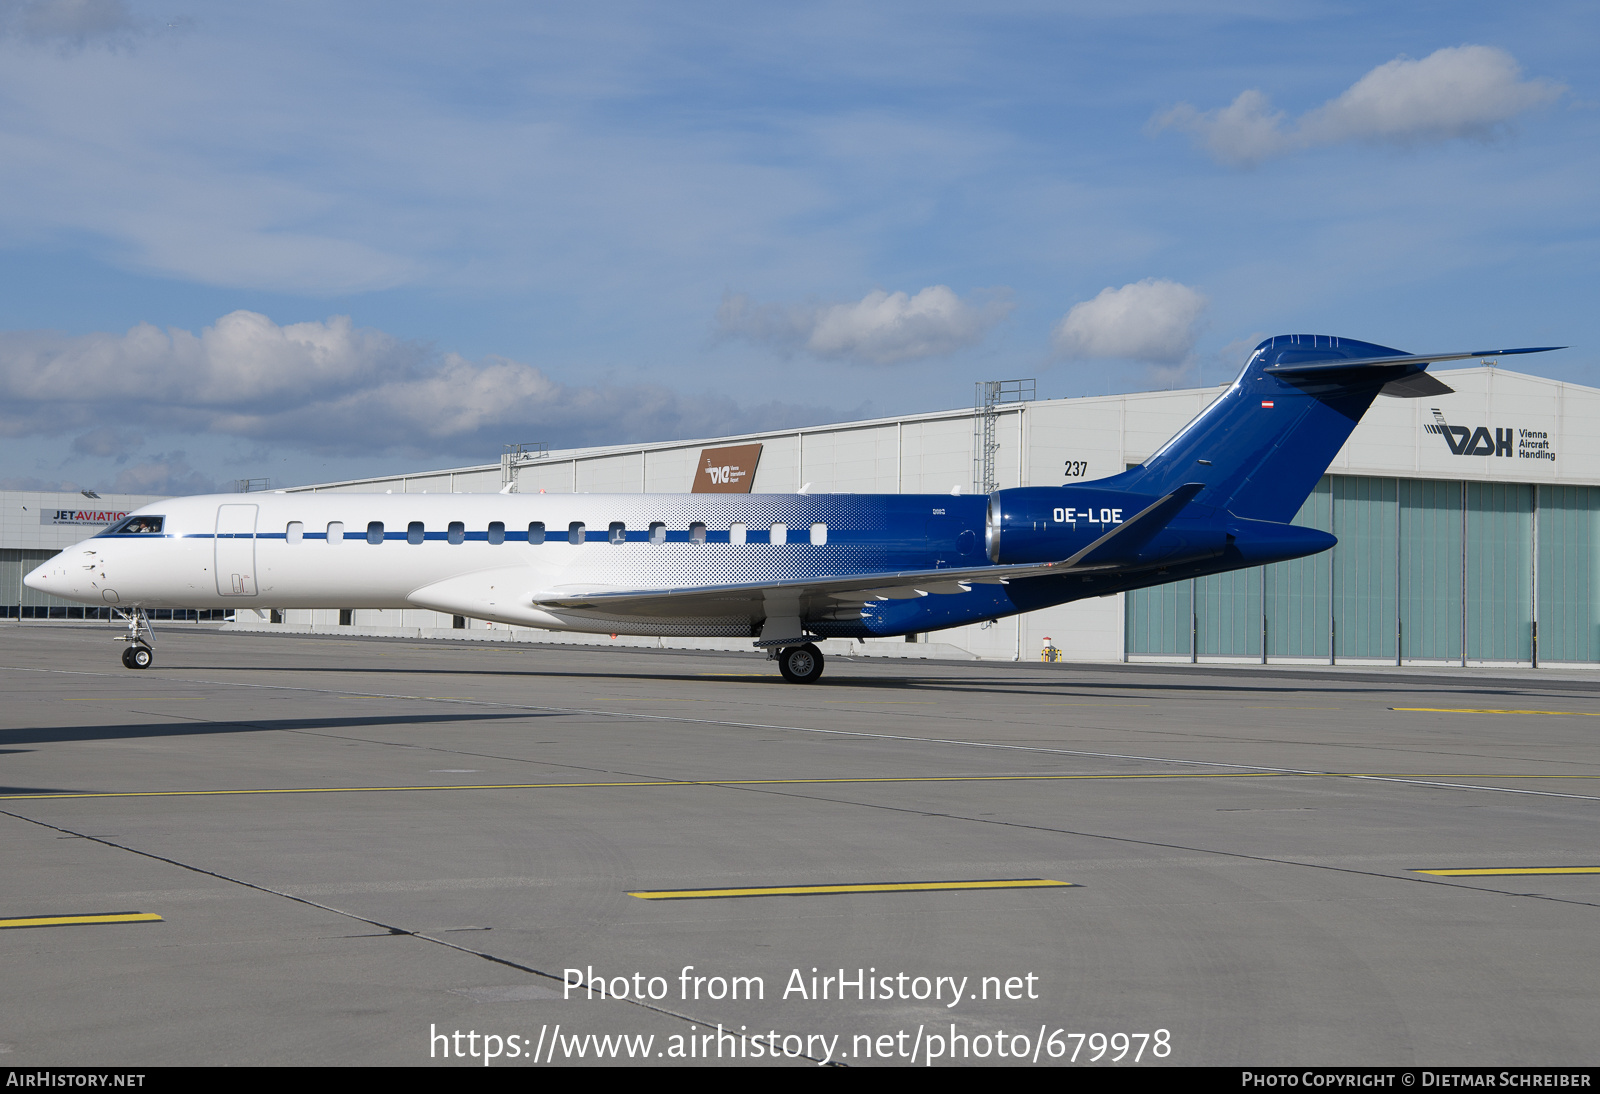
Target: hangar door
{"x":236,"y":550}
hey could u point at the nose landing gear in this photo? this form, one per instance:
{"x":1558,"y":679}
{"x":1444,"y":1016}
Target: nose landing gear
{"x":141,"y":639}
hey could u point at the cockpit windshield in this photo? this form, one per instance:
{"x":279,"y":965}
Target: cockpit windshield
{"x":135,"y":526}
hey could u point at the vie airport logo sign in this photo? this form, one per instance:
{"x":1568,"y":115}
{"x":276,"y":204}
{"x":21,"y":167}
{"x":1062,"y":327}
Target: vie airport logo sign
{"x":728,"y":470}
{"x":1526,"y":444}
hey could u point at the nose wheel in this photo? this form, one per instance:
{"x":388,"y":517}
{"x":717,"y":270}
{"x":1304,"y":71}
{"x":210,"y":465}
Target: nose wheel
{"x":801,"y":664}
{"x":140,"y":652}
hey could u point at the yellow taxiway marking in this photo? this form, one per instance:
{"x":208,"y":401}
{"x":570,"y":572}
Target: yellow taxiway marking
{"x":1497,"y":870}
{"x":833,"y":890}
{"x":1477,"y":710}
{"x":75,"y":920}
{"x":654,"y":783}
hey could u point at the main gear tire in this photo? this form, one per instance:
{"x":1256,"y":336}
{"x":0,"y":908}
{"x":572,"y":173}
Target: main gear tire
{"x":801,"y":664}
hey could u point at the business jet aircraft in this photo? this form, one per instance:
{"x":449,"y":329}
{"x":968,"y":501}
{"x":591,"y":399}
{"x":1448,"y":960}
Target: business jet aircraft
{"x":782,"y":569}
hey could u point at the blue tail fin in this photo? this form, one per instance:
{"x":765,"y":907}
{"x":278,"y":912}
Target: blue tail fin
{"x":1261,"y":447}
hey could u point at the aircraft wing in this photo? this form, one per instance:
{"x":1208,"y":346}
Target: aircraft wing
{"x":1117,"y":550}
{"x":843,"y":591}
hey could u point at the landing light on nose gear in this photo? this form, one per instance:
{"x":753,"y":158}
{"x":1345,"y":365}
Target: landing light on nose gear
{"x":141,"y":639}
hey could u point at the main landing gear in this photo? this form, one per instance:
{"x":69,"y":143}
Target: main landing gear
{"x":141,"y":639}
{"x":800,"y":664}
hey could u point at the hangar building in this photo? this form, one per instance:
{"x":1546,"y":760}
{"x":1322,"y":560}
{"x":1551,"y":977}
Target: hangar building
{"x":34,"y":525}
{"x":1468,"y":525}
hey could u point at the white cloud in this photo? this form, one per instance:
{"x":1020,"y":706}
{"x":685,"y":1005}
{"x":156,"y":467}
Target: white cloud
{"x":327,"y":386}
{"x":1466,"y":91}
{"x":243,"y":359}
{"x":881,"y":328}
{"x":1460,"y":91}
{"x":1150,"y":320}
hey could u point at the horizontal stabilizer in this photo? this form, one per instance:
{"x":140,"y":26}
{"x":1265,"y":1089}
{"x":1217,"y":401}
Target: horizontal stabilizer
{"x":1340,"y":363}
{"x":1419,"y":385}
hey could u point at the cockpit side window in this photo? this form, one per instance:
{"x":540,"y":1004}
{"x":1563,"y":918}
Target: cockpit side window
{"x":135,"y":526}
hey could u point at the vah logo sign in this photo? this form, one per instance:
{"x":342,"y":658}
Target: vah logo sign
{"x":1525,"y":444}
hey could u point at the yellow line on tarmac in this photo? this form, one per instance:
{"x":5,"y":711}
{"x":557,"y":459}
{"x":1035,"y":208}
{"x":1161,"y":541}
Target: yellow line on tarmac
{"x":1474,"y":710}
{"x":1491,"y":872}
{"x":834,"y":890}
{"x":75,"y":920}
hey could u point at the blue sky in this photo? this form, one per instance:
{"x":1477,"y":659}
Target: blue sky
{"x":316,"y":241}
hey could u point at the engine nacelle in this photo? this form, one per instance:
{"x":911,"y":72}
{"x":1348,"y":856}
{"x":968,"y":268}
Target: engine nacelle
{"x":1052,"y":523}
{"x":1049,"y":523}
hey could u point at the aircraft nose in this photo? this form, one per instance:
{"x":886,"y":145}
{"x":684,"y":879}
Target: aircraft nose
{"x":38,"y":578}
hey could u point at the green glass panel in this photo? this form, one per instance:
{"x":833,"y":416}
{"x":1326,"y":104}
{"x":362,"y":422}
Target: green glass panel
{"x":1297,"y":605}
{"x":1430,"y":569}
{"x":1499,"y":571}
{"x":1569,"y":573}
{"x":1159,"y":619}
{"x":1228,"y":611}
{"x":1365,"y":566}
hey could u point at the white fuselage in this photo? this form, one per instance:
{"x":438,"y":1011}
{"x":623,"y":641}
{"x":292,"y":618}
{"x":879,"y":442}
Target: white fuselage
{"x":475,"y":554}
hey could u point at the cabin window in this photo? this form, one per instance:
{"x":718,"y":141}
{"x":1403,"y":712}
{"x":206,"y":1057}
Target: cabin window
{"x":375,"y":532}
{"x":780,"y":533}
{"x":697,"y":532}
{"x":658,"y":532}
{"x":536,"y":532}
{"x":618,"y":532}
{"x":575,"y":533}
{"x":414,"y":534}
{"x":457,"y":533}
{"x":295,"y":532}
{"x":819,"y":534}
{"x":736,"y":533}
{"x":336,"y":531}
{"x":497,"y":531}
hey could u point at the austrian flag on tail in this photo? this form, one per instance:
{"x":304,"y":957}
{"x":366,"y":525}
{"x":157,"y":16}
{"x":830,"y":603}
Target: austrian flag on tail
{"x":1266,"y":404}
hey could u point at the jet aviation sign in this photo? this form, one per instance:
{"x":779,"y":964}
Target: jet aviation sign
{"x":81,"y":516}
{"x":1526,"y":444}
